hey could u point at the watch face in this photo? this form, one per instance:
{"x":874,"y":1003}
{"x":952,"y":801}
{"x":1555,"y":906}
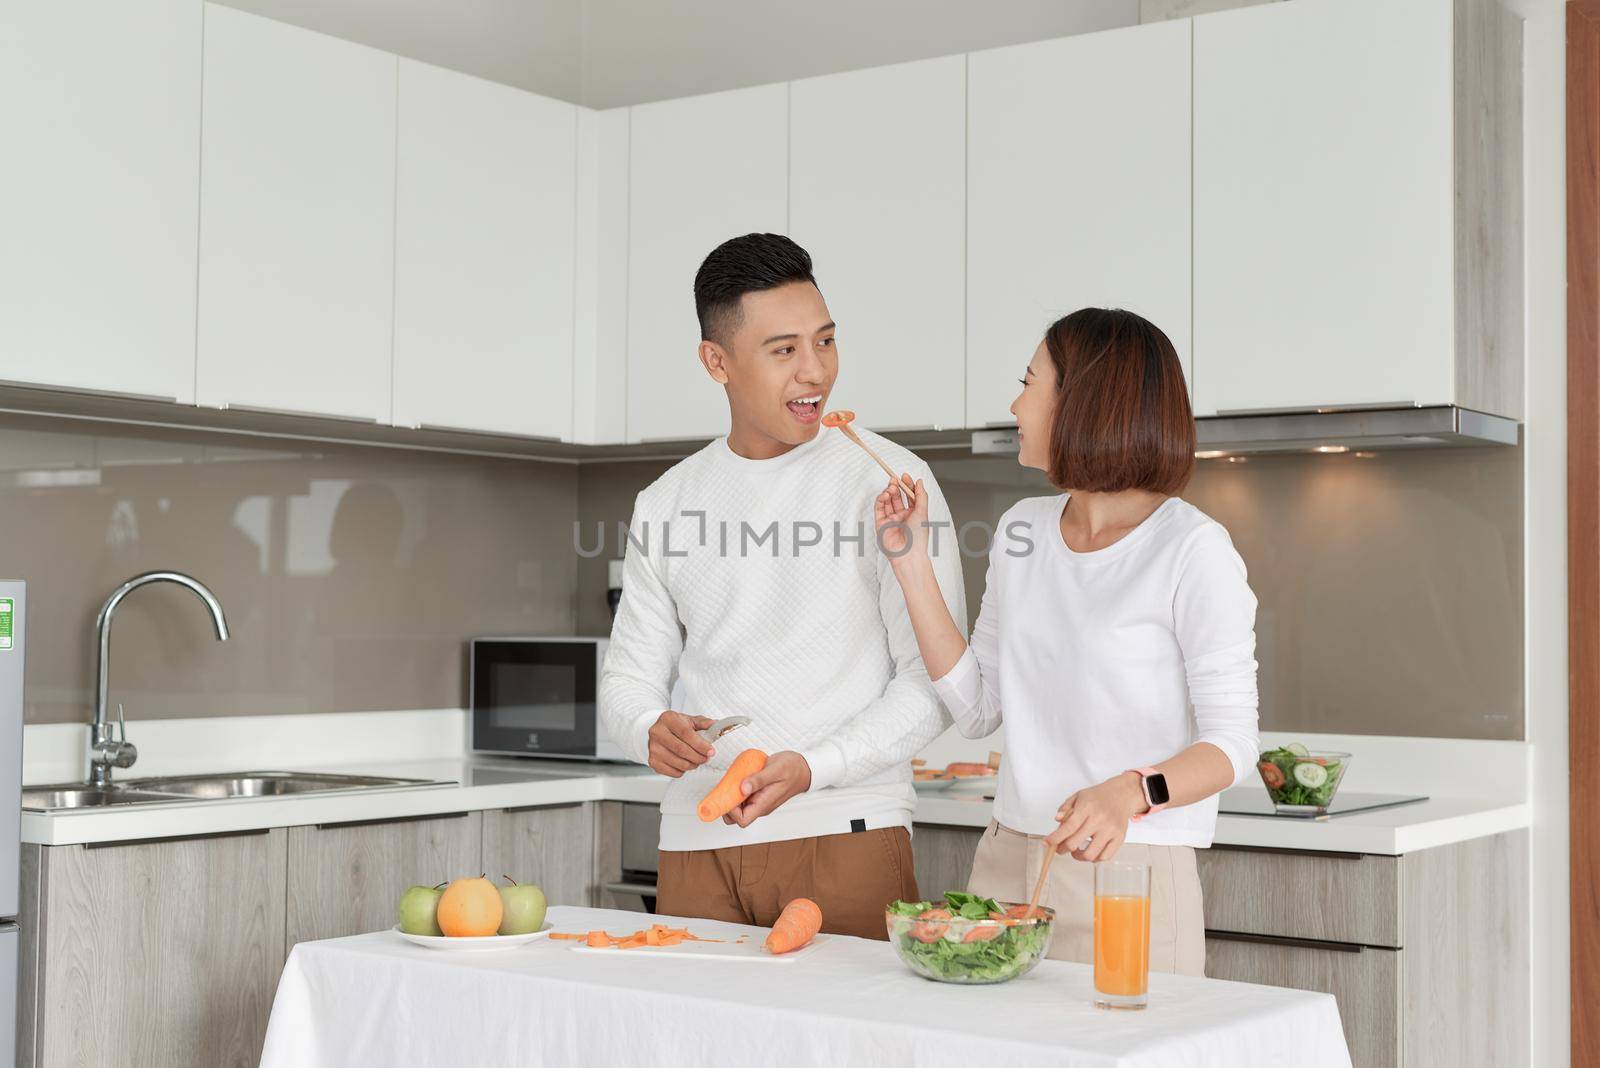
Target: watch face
{"x":1156,"y":786}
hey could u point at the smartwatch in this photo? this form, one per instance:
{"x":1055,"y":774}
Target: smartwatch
{"x":1155,"y":791}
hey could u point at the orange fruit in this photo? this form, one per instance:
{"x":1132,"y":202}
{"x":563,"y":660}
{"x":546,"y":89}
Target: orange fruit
{"x":470,"y":908}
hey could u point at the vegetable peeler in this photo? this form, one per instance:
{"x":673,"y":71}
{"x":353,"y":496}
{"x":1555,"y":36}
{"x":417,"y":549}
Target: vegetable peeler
{"x":723,"y":726}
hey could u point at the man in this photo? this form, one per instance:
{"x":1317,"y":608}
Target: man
{"x":753,"y":573}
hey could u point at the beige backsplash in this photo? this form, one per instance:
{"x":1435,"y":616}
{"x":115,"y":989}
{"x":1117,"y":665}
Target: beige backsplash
{"x":350,"y":575}
{"x":1390,"y":587}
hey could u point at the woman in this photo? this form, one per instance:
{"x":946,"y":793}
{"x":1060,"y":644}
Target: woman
{"x":1116,"y":640}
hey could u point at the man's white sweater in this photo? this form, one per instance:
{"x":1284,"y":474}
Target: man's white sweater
{"x":762,"y":585}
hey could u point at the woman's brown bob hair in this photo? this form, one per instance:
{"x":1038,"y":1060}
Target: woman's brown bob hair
{"x":1122,"y":418}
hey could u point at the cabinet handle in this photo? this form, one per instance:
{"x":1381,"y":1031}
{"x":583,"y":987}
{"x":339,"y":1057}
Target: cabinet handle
{"x":642,"y":889}
{"x":1318,"y":409}
{"x":1281,"y":851}
{"x":89,"y":391}
{"x":1284,"y":940}
{"x":176,"y":838}
{"x":446,"y":428}
{"x":394,"y":819}
{"x":299,"y":414}
{"x":545,"y":808}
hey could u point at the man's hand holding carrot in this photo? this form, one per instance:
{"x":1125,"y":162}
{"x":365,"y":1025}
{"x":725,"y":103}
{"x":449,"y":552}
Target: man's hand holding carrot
{"x":785,"y":775}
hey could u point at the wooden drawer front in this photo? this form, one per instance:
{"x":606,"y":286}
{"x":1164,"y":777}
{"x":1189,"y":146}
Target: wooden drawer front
{"x":345,"y":879}
{"x":158,"y":952}
{"x":552,"y":845}
{"x":942,"y":857}
{"x":1365,"y":982}
{"x":1330,"y":897}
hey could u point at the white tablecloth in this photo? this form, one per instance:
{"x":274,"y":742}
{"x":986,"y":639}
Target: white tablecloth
{"x":376,"y":999}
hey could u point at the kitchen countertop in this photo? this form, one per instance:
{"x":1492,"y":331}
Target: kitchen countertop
{"x":506,"y":782}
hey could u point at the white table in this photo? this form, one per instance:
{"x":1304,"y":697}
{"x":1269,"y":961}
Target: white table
{"x":376,"y":999}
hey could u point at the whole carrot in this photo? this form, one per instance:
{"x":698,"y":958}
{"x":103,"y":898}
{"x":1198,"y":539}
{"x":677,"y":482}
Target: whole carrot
{"x":797,"y":924}
{"x":726,"y":795}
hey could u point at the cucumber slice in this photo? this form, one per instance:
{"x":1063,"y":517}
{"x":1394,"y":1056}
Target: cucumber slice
{"x":1297,"y":749}
{"x":1309,"y":775}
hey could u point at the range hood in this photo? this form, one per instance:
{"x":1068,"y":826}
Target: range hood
{"x":1326,"y":430}
{"x":1443,"y":426}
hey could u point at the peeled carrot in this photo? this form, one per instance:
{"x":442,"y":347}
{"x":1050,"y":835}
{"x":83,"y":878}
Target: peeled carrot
{"x":727,"y":794}
{"x":598,"y":940}
{"x":797,"y":924}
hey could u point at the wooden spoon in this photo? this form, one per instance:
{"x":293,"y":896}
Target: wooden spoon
{"x":842,"y":419}
{"x":1038,"y":887}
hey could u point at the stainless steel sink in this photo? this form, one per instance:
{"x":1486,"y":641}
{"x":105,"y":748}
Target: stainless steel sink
{"x":46,"y":798}
{"x":263,"y":784}
{"x":172,"y":788}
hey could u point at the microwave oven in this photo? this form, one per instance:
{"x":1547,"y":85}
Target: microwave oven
{"x":538,"y":697}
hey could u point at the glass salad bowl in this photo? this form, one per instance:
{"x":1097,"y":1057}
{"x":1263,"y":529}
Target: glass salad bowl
{"x":968,"y":939}
{"x":1299,"y":781}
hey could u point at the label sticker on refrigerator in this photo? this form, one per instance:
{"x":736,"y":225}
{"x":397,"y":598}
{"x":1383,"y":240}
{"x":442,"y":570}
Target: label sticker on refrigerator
{"x":5,"y":624}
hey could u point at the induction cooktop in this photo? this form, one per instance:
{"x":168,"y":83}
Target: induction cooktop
{"x":1253,"y":801}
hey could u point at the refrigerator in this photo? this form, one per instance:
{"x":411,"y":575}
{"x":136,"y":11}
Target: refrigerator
{"x":13,"y":620}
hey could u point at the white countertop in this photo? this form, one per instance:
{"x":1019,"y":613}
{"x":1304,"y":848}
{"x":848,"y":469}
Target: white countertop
{"x":505,"y":782}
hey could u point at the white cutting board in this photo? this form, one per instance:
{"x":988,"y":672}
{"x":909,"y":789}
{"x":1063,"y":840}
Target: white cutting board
{"x":749,"y":951}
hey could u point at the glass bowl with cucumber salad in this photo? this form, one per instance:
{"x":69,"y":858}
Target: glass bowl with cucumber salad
{"x":969,"y":939}
{"x":1299,"y":781}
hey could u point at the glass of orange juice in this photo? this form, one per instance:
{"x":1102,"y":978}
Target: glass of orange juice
{"x":1121,"y":935}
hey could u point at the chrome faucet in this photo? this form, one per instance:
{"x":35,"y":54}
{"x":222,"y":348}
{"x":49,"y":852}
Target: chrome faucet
{"x":106,"y":752}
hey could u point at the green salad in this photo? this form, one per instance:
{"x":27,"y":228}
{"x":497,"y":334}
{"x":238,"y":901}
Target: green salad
{"x":931,"y":939}
{"x":1294,"y":777}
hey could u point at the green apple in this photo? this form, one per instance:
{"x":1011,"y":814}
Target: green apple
{"x":523,"y":908}
{"x":418,"y":911}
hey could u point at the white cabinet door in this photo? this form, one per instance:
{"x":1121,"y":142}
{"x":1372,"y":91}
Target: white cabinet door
{"x":484,"y":245}
{"x":296,"y":220}
{"x":101,"y":132}
{"x":877,"y":195}
{"x":1323,"y":172}
{"x":1077,"y":195}
{"x":703,"y":170}
{"x":600,"y":344}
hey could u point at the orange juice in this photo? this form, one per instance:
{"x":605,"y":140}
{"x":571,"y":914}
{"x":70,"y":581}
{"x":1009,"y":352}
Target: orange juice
{"x":1121,"y":944}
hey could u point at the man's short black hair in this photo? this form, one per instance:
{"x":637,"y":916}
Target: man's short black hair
{"x":741,"y":265}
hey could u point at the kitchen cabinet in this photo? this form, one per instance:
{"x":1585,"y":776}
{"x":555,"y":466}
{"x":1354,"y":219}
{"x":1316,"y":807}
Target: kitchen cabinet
{"x":600,"y":342}
{"x":1357,"y":239}
{"x":701,"y":170}
{"x":1077,"y":195}
{"x":877,"y":195}
{"x":1427,"y":952}
{"x":551,"y":845}
{"x":161,"y":952}
{"x":345,"y":878}
{"x":483,"y":256}
{"x":297,"y":200}
{"x":1364,"y":980}
{"x":942,"y":857}
{"x":98,"y":263}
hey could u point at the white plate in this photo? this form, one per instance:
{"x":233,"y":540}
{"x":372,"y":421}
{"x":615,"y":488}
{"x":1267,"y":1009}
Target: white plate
{"x":931,"y":786}
{"x":486,"y":944}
